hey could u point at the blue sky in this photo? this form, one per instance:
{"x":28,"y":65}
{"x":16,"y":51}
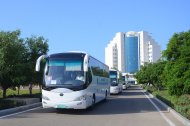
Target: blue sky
{"x":89,"y":25}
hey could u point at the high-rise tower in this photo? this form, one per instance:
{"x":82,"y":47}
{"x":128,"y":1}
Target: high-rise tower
{"x":128,"y":51}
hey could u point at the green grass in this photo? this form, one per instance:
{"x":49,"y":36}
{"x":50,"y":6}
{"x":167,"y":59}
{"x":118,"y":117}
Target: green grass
{"x":166,"y":97}
{"x":23,"y":93}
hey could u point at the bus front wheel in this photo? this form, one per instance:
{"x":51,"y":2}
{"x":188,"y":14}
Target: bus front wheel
{"x":106,"y":94}
{"x":93,"y":102}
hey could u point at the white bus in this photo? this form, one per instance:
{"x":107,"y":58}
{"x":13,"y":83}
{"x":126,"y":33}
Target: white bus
{"x":124,"y":81}
{"x":73,"y":80}
{"x":129,"y":79}
{"x":116,"y":87}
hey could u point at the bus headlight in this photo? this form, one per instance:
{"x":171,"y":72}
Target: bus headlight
{"x":83,"y":97}
{"x":45,"y":97}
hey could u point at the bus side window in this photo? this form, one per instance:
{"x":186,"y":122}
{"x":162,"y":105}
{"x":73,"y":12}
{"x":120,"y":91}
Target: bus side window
{"x":89,"y":76}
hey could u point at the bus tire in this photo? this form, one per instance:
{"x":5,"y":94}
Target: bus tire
{"x":106,"y":94}
{"x":93,"y":102}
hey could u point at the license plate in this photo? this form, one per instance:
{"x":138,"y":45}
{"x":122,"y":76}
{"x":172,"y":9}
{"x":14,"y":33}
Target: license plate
{"x":61,"y":106}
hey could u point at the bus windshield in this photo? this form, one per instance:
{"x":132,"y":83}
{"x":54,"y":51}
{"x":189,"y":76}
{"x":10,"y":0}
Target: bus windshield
{"x":123,"y":78}
{"x":113,"y":74}
{"x":64,"y":72}
{"x":114,"y":82}
{"x":113,"y":78}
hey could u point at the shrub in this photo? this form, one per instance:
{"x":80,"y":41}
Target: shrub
{"x":5,"y":104}
{"x":183,"y":105}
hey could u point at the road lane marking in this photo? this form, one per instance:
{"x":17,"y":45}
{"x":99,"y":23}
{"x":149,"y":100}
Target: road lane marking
{"x":158,"y":109}
{"x":1,"y":117}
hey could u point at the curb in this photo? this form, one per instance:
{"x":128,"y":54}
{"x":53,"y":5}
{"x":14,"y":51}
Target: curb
{"x":19,"y":109}
{"x":182,"y":119}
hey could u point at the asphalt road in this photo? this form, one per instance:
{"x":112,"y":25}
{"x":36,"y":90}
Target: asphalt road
{"x":130,"y":108}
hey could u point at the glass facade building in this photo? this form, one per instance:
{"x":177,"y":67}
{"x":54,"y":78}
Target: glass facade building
{"x":127,"y":51}
{"x":131,"y":54}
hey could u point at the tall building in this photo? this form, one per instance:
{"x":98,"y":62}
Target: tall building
{"x":128,"y":51}
{"x":114,"y":55}
{"x":131,"y":52}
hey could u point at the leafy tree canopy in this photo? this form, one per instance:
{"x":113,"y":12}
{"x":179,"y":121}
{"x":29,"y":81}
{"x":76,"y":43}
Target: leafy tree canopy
{"x":18,"y":57}
{"x":177,"y":70}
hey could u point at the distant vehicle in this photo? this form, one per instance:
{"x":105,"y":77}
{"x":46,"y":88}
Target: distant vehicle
{"x":129,"y":79}
{"x":73,"y":80}
{"x":124,"y":82}
{"x":131,"y":82}
{"x":115,"y":87}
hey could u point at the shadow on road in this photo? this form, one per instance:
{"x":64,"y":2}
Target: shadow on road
{"x":116,"y":106}
{"x":134,"y":87}
{"x":127,"y":93}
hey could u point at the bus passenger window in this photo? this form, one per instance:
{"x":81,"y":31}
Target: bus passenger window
{"x":89,"y":76}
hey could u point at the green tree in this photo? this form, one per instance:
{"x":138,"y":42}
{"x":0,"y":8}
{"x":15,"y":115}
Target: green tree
{"x":151,"y":73}
{"x":177,"y":70}
{"x":11,"y":57}
{"x":156,"y":74}
{"x":36,"y":47}
{"x":143,"y":75}
{"x":18,"y":58}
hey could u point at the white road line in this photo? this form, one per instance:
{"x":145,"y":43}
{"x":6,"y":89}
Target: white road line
{"x":1,"y":117}
{"x":158,"y":109}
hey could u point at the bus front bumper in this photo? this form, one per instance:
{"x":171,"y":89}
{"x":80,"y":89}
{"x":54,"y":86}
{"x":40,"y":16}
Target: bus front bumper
{"x":124,"y":87}
{"x":65,"y":105}
{"x":114,"y":90}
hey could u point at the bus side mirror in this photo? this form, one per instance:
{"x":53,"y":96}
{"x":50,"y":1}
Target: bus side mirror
{"x":85,"y":63}
{"x":39,"y":61}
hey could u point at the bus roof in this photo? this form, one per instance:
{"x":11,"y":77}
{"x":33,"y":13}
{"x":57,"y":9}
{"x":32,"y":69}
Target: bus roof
{"x":69,"y":52}
{"x":111,"y":69}
{"x":78,"y":52}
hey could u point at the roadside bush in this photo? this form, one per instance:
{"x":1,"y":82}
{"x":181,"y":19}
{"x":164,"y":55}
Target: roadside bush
{"x":183,"y":105}
{"x":149,"y":88}
{"x":5,"y":104}
{"x":36,"y":95}
{"x":0,"y":93}
{"x":180,"y":103}
{"x":165,"y":100}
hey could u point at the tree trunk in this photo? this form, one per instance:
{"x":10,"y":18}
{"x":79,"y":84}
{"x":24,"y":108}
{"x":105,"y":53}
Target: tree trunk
{"x":18,"y":90}
{"x":4,"y":92}
{"x":40,"y":88}
{"x":30,"y":89}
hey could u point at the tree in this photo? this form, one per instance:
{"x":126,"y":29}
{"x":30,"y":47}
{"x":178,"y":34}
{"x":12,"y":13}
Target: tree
{"x":143,"y":75}
{"x":157,"y":74}
{"x":36,"y":47}
{"x":151,"y":73}
{"x":177,"y":70}
{"x":11,"y":57}
{"x":17,"y":59}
